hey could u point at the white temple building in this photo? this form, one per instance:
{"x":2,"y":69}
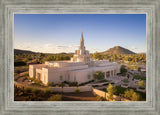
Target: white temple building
{"x":79,"y":69}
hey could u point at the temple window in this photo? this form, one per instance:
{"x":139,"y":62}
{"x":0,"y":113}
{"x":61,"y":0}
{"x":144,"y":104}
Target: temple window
{"x":108,"y":74}
{"x":74,"y":78}
{"x":61,"y":77}
{"x":115,"y":72}
{"x":89,"y":76}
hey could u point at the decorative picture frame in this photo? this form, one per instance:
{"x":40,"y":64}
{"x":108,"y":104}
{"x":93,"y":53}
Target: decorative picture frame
{"x":7,"y":10}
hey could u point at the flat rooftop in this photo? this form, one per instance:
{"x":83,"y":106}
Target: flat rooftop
{"x":95,"y":68}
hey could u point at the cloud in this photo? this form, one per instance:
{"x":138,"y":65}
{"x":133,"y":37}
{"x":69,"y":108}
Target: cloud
{"x":49,"y":47}
{"x":137,"y":50}
{"x":61,"y":47}
{"x":134,"y":48}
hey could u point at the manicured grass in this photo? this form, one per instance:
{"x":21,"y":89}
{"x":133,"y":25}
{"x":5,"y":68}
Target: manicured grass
{"x":101,"y":81}
{"x":139,"y":77}
{"x":125,"y":80}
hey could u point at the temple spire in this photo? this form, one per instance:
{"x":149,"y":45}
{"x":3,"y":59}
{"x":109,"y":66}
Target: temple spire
{"x":82,"y":40}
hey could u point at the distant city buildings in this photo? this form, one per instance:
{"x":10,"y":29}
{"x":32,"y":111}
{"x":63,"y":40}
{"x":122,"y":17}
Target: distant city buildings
{"x":79,"y":69}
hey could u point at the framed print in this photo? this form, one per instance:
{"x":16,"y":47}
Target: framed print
{"x":58,"y":73}
{"x":79,"y":57}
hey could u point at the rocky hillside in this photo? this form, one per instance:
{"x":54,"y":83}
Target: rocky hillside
{"x":118,"y":50}
{"x":17,"y":51}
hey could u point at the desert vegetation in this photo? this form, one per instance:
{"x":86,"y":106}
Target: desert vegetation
{"x":129,"y":62}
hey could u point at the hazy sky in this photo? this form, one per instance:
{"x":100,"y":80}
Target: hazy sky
{"x":55,"y":33}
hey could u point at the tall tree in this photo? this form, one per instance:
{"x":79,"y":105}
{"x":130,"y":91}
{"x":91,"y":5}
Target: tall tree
{"x":111,"y":90}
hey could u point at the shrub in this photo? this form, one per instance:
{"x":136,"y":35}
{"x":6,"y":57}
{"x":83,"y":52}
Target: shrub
{"x":32,"y":78}
{"x":123,"y":74}
{"x":73,"y":84}
{"x":95,"y":85}
{"x":61,"y":84}
{"x":27,"y":90}
{"x":38,"y":81}
{"x":125,"y":80}
{"x":50,"y":84}
{"x":99,"y":98}
{"x":120,"y":90}
{"x":135,"y":97}
{"x":141,"y":88}
{"x":26,"y":74}
{"x":131,"y":94}
{"x":55,"y":98}
{"x":98,"y":75}
{"x":24,"y":79}
{"x":105,"y":84}
{"x":47,"y":91}
{"x":123,"y":70}
{"x":101,"y":81}
{"x":36,"y":91}
{"x":77,"y":90}
{"x":19,"y":63}
{"x":138,"y":77}
{"x":15,"y":79}
{"x":128,"y":93}
{"x":128,"y":76}
{"x":125,"y":84}
{"x":141,"y":84}
{"x":15,"y":74}
{"x":139,"y":69}
{"x":66,"y":82}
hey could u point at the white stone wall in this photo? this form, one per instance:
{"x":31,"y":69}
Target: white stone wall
{"x":71,"y":72}
{"x":32,"y":69}
{"x":54,"y":76}
{"x":82,"y":76}
{"x":39,"y":72}
{"x":61,"y":64}
{"x":45,"y":75}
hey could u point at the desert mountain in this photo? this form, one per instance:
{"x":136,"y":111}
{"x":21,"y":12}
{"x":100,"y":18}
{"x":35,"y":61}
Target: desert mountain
{"x":118,"y":50}
{"x":18,"y":51}
{"x":114,"y":50}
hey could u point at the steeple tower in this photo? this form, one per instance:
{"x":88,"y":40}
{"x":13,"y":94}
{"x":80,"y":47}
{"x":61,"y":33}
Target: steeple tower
{"x":82,"y":47}
{"x":82,"y":40}
{"x":81,"y":55}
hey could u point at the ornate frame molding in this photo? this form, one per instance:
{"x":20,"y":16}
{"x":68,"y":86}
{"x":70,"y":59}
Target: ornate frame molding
{"x":10,"y":7}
